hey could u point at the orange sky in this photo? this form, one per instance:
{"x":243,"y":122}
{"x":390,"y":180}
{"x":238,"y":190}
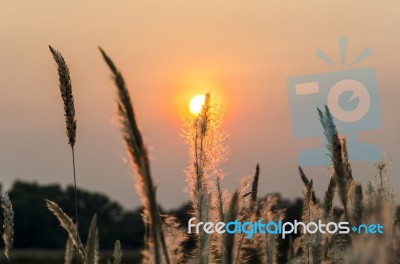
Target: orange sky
{"x":169,"y":51}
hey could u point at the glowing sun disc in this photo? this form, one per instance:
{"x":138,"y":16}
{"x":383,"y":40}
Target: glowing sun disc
{"x":196,"y":103}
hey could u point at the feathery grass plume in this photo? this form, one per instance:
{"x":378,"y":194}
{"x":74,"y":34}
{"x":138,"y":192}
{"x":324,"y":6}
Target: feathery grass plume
{"x":219,"y":207}
{"x":246,"y":251}
{"x":254,"y":190}
{"x":303,"y":176}
{"x":269,"y":248}
{"x":92,"y":243}
{"x":334,"y":244}
{"x":339,"y":157}
{"x":307,"y":217}
{"x":342,"y":181}
{"x":244,"y":198}
{"x":176,"y":238}
{"x":253,"y":204}
{"x":315,"y":246}
{"x":66,"y":93}
{"x":328,"y":198}
{"x":218,"y":210}
{"x":384,"y":184}
{"x":379,"y":248}
{"x":117,"y":252}
{"x":306,"y":183}
{"x":147,"y":236}
{"x":229,"y":239}
{"x":383,"y":209}
{"x":204,"y":240}
{"x":68,"y":225}
{"x":379,"y":188}
{"x":244,"y":214}
{"x":203,"y":135}
{"x":383,"y":167}
{"x":220,"y":200}
{"x":69,"y":111}
{"x":316,"y":252}
{"x":8,"y":225}
{"x":338,"y":164}
{"x":328,"y":125}
{"x":139,"y":155}
{"x":69,"y":251}
{"x":347,"y":167}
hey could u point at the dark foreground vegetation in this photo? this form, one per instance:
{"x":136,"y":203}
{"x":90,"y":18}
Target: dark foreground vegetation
{"x":56,"y":256}
{"x":115,"y":222}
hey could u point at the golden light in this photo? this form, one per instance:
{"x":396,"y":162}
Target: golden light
{"x":196,"y":103}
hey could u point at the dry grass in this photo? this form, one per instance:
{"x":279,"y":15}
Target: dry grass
{"x":166,"y":239}
{"x":69,"y":111}
{"x":8,"y":225}
{"x":117,"y":253}
{"x":139,"y":155}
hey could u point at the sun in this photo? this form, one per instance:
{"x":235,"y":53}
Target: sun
{"x":196,"y":103}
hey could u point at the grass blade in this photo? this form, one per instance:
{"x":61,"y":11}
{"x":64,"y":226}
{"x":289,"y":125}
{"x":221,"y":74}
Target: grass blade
{"x":92,"y":244}
{"x":68,"y":225}
{"x":138,"y":152}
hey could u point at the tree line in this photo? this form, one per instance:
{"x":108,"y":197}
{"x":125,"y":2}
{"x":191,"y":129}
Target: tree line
{"x":36,"y":227}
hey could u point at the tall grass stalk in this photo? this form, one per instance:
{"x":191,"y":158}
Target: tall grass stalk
{"x":92,"y":243}
{"x":338,"y":152}
{"x":139,"y":155}
{"x":207,"y":152}
{"x":69,"y":112}
{"x":89,"y":253}
{"x":269,"y":248}
{"x":329,"y":197}
{"x":68,"y":225}
{"x":229,"y":239}
{"x":117,"y":252}
{"x":248,"y":251}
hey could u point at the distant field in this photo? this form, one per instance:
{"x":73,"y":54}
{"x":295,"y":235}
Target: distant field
{"x":40,"y":256}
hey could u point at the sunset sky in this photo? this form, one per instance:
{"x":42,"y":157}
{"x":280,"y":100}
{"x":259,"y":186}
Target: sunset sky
{"x":169,"y":51}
